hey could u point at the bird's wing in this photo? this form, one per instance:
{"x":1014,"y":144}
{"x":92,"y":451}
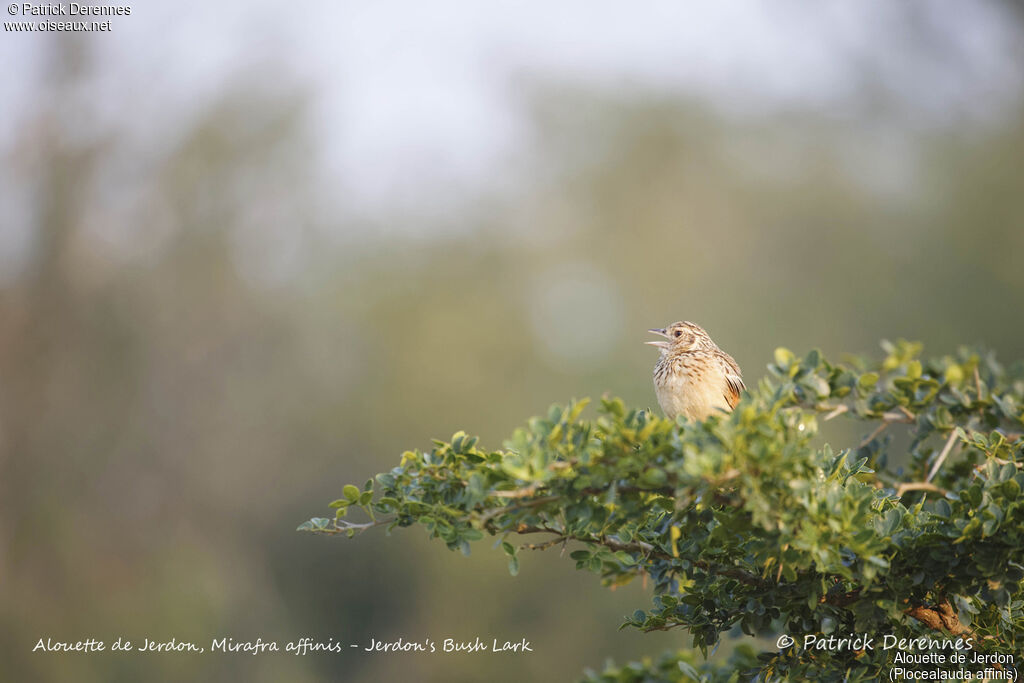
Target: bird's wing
{"x":733,"y":379}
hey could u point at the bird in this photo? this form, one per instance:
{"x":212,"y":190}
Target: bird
{"x":693,"y":377}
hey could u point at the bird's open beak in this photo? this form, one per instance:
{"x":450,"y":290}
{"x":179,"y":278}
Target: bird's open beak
{"x":659,"y":344}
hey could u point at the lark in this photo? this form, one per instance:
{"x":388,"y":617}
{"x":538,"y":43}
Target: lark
{"x":693,"y":377}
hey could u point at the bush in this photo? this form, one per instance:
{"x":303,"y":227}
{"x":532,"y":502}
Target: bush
{"x":744,"y":522}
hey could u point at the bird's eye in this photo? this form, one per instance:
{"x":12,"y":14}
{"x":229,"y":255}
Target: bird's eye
{"x":678,"y":333}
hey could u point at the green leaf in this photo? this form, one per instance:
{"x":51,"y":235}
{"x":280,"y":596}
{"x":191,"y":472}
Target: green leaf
{"x":940,"y":508}
{"x":316,"y":524}
{"x":867,"y":380}
{"x":914,"y":369}
{"x":783,"y":357}
{"x":888,"y":524}
{"x":655,"y":476}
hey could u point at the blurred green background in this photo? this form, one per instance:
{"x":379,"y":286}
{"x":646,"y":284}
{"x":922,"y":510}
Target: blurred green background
{"x":204,"y":333}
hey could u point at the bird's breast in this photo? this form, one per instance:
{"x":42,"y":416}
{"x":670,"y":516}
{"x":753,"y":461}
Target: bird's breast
{"x":689,"y":387}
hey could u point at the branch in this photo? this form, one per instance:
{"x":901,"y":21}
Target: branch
{"x":942,"y":456}
{"x":871,"y":437}
{"x":839,"y":410}
{"x":918,"y":486}
{"x":494,"y":512}
{"x":841,"y":599}
{"x":900,"y":415}
{"x":645,"y":549}
{"x":516,"y":494}
{"x":545,"y":545}
{"x":342,"y":526}
{"x":903,"y":416}
{"x":1018,"y":465}
{"x":940,"y":617}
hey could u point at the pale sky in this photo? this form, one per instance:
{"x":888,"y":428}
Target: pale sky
{"x":411,"y":96}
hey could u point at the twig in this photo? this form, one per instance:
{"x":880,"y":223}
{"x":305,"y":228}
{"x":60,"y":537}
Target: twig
{"x":343,"y":526}
{"x":918,"y":486}
{"x":729,"y":474}
{"x":942,"y":456}
{"x":648,"y":550}
{"x":1018,"y":465}
{"x":545,"y":545}
{"x":491,"y":514}
{"x":841,"y":599}
{"x":871,"y":437}
{"x":667,"y":627}
{"x":517,"y":493}
{"x":899,"y":415}
{"x":589,"y":491}
{"x":940,"y":617}
{"x":362,"y":527}
{"x":905,"y":416}
{"x":839,"y":410}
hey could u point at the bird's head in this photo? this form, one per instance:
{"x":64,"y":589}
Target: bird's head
{"x":681,"y":337}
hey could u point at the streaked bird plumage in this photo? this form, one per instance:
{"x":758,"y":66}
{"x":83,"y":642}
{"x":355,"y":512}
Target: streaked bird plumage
{"x":693,"y":377}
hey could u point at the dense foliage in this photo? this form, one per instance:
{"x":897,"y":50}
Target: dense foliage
{"x":747,"y":522}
